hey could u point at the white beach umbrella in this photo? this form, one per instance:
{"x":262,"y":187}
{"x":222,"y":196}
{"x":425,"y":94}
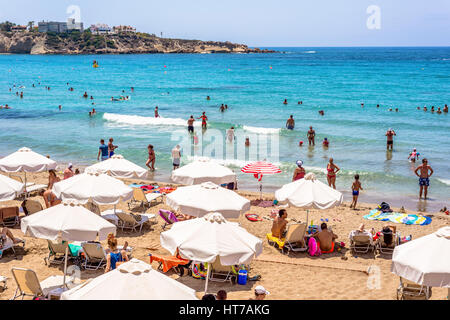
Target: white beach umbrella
{"x":201,"y":199}
{"x":132,"y":280}
{"x":68,"y":221}
{"x":210,"y":237}
{"x":309,"y":193}
{"x":426,"y":260}
{"x":203,"y":170}
{"x":26,"y":160}
{"x":9,"y":188}
{"x":118,"y":166}
{"x":98,"y":187}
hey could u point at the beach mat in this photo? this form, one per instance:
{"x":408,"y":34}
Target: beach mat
{"x":396,"y":217}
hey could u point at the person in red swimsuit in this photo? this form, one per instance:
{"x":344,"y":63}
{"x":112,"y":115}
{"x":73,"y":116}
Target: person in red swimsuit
{"x":204,"y":119}
{"x":332,"y":169}
{"x":299,"y":172}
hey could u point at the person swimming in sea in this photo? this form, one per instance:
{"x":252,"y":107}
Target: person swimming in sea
{"x":247,"y":142}
{"x":432,"y":108}
{"x":285,"y":101}
{"x":222,"y":108}
{"x":439,"y":110}
{"x":156,"y":112}
{"x":362,"y":105}
{"x":446,"y":109}
{"x":204,"y":119}
{"x":378,"y":105}
{"x":290,"y":123}
{"x":325,"y":143}
{"x":59,"y":107}
{"x":299,"y":172}
{"x":85,"y":95}
{"x":425,"y":109}
{"x":208,"y":98}
{"x":300,"y":102}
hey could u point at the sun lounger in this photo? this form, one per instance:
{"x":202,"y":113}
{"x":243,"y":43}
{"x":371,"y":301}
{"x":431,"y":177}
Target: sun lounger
{"x":167,"y":263}
{"x":409,"y":290}
{"x":9,"y":244}
{"x":31,"y":206}
{"x":383,"y":248}
{"x":168,"y":217}
{"x":9,"y":216}
{"x":95,"y":256}
{"x":144,"y":200}
{"x":361,"y":242}
{"x":29,"y":285}
{"x":293,"y":241}
{"x":222,"y":273}
{"x":93,"y":207}
{"x":130,"y":221}
{"x":57,"y":252}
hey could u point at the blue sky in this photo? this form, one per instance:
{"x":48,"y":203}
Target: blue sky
{"x":262,"y":23}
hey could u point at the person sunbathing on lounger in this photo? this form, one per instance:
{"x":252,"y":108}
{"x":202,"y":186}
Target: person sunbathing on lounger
{"x":115,"y":257}
{"x":325,"y":239}
{"x":279,"y":224}
{"x":182,"y":217}
{"x":7,"y":233}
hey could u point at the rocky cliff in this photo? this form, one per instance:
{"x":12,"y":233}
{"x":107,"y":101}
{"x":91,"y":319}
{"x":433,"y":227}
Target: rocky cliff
{"x":87,"y":43}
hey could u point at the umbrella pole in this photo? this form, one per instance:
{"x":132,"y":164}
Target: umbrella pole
{"x":65,"y":265}
{"x":25,"y":185}
{"x":207,"y":277}
{"x":114,"y":209}
{"x":260,"y":190}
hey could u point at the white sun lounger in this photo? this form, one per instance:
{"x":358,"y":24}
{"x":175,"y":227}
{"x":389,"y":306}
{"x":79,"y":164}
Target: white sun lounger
{"x":8,"y":244}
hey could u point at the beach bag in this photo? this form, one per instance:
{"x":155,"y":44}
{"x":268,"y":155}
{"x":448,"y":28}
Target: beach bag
{"x":384,"y":207}
{"x":313,"y":248}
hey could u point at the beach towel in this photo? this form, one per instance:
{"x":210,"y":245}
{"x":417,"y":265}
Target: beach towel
{"x":396,"y":217}
{"x":168,"y":262}
{"x":253,"y":217}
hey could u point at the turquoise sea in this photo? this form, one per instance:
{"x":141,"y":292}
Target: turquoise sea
{"x":254,"y":86}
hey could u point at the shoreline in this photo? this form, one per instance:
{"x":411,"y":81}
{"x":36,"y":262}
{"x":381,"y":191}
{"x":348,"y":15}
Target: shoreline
{"x":364,"y":200}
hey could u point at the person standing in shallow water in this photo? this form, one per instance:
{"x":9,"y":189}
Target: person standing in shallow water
{"x":390,"y":139}
{"x":332,"y":169}
{"x":424,"y":177}
{"x":311,"y":134}
{"x":151,"y":158}
{"x":290,"y":123}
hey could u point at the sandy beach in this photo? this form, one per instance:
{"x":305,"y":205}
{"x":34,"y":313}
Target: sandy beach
{"x":338,"y":275}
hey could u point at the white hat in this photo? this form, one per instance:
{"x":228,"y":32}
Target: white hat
{"x":261,"y":290}
{"x":70,"y":165}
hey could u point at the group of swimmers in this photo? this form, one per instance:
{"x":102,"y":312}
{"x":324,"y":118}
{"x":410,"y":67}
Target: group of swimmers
{"x":438,"y":111}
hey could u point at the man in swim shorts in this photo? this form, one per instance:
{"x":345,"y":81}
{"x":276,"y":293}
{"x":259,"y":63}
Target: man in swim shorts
{"x":279,"y":224}
{"x":102,"y":150}
{"x":290,"y":123}
{"x":190,"y":123}
{"x":325,"y":239}
{"x":356,"y":186}
{"x":424,"y":177}
{"x":390,"y":139}
{"x":176,"y":157}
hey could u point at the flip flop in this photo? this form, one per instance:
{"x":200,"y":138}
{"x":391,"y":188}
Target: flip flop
{"x":255,"y":278}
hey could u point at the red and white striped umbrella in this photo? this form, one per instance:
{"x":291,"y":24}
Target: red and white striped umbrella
{"x":260,"y":168}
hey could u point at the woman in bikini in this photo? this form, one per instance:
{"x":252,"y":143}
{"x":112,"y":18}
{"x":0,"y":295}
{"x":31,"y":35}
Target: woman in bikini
{"x":49,"y":197}
{"x":151,"y":157}
{"x":332,"y":169}
{"x":299,"y":172}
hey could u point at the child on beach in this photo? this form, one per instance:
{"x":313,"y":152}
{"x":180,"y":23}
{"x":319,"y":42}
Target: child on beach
{"x":356,"y":186}
{"x":114,"y":256}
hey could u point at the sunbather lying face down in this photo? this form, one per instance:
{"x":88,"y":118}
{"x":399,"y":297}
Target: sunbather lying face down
{"x":279,"y":225}
{"x":325,"y":238}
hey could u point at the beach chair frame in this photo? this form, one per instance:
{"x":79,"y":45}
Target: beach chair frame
{"x":10,"y":245}
{"x":95,"y":256}
{"x":57,"y":253}
{"x":221,"y":273}
{"x":144,"y":202}
{"x":127,"y":221}
{"x":169,"y":218}
{"x":295,"y":235}
{"x":408,"y":290}
{"x":361,"y":243}
{"x":29,"y":287}
{"x":6,"y":213}
{"x":382,"y":248}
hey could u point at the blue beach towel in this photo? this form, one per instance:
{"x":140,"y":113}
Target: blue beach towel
{"x":395,"y":217}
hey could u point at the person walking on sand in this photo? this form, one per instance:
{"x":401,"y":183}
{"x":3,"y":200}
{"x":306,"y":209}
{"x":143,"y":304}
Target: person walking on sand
{"x":151,"y":158}
{"x":204,"y":119}
{"x":176,"y":156}
{"x":424,"y":177}
{"x":356,"y":186}
{"x":390,"y":139}
{"x":290,"y":123}
{"x":332,"y":169}
{"x":311,"y":134}
{"x":111,"y":148}
{"x":190,"y":124}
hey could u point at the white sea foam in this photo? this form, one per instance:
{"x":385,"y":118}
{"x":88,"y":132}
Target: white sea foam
{"x":444,"y":181}
{"x":145,"y":121}
{"x":261,"y":130}
{"x":309,"y":51}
